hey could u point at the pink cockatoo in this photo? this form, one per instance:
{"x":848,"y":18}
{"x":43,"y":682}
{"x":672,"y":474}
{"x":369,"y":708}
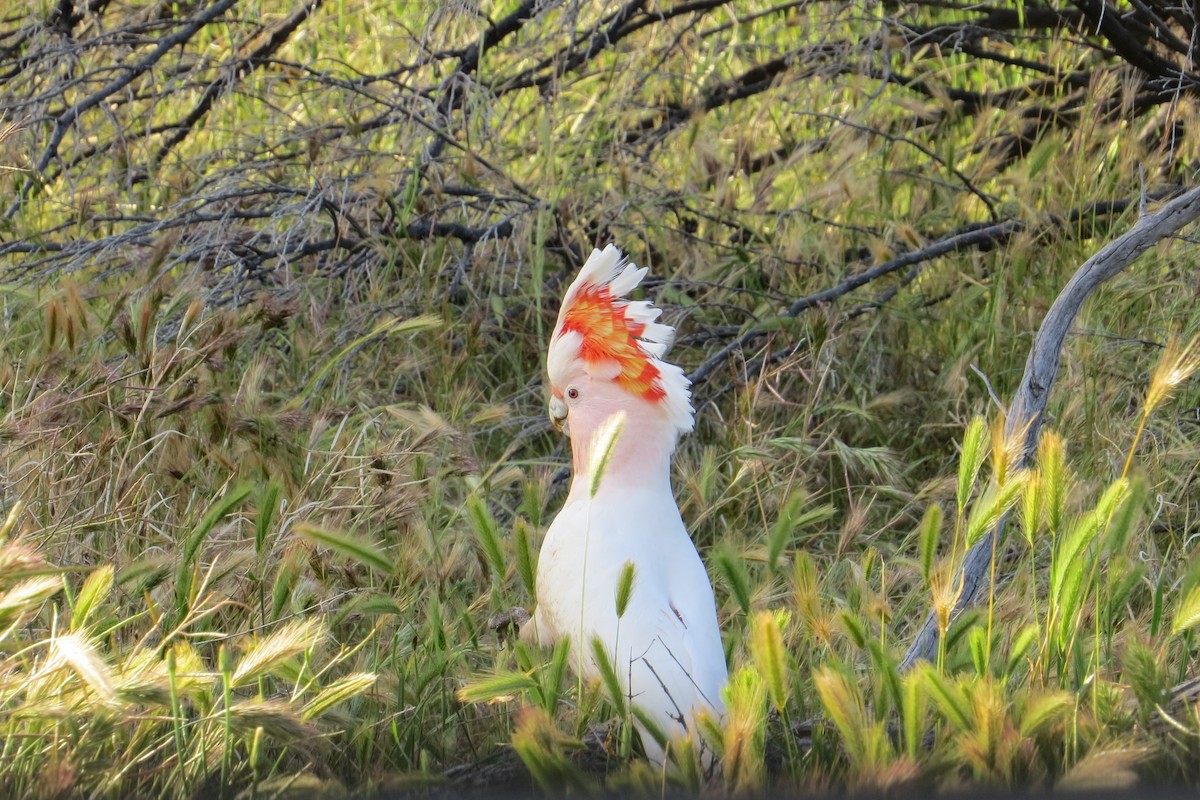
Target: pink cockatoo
{"x":624,"y":409}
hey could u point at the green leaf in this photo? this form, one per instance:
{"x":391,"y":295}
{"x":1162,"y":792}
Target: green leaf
{"x":1033,"y":503}
{"x":192,"y":542}
{"x":1069,"y":552}
{"x":348,"y":545}
{"x":554,"y":673}
{"x":854,"y":628}
{"x":1114,"y":495}
{"x":1121,"y":522}
{"x":650,"y":724}
{"x":791,"y":519}
{"x":1052,"y":469}
{"x":977,"y":641}
{"x":781,"y":531}
{"x":285,"y":580}
{"x":889,"y":676}
{"x":912,"y":713}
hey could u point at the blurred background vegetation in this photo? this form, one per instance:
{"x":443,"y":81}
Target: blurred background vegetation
{"x":278,"y":278}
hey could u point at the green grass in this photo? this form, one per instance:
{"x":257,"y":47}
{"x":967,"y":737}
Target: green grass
{"x":256,"y":525}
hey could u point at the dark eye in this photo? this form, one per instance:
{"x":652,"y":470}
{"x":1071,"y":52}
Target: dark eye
{"x":572,"y":393}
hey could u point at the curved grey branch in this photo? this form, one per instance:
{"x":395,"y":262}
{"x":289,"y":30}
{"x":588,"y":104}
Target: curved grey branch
{"x":1041,"y":368}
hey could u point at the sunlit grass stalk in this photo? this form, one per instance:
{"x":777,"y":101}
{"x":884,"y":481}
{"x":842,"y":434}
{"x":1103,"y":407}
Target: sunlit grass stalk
{"x":971,"y":459}
{"x":1176,"y":366}
{"x":225,"y":665}
{"x":177,"y":721}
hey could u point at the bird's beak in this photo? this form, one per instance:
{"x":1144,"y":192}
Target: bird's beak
{"x":558,"y":413}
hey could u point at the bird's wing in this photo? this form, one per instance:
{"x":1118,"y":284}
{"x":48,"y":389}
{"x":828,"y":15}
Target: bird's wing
{"x":669,"y":643}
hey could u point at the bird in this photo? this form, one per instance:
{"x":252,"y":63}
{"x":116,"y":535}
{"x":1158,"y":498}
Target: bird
{"x":624,"y":409}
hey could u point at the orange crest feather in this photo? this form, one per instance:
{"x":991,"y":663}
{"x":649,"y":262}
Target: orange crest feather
{"x":618,"y":339}
{"x":610,"y":336}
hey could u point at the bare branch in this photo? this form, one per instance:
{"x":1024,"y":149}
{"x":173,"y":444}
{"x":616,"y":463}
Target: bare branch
{"x":1028,"y":407}
{"x":976,"y":236}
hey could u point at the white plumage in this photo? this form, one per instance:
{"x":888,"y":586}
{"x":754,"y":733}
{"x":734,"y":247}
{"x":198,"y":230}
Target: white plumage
{"x":605,"y":365}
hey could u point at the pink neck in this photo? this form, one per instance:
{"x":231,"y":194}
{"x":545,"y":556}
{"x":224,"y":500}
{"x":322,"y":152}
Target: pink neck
{"x":641,"y":457}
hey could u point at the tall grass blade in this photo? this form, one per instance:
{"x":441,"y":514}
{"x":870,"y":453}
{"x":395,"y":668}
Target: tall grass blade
{"x":603,"y":445}
{"x":193,"y":541}
{"x":1033,"y":506}
{"x":487,"y":531}
{"x":540,"y":747}
{"x":744,"y":734}
{"x":1021,"y":646}
{"x":10,"y":521}
{"x":91,"y":594}
{"x":625,"y":585}
{"x":1187,"y":615}
{"x":863,"y":738}
{"x":27,"y":597}
{"x":1052,"y":468}
{"x":81,"y":656}
{"x":1043,"y":711}
{"x":501,"y":687}
{"x":294,"y":638}
{"x":993,"y":505}
{"x":608,"y":675}
{"x":948,"y":698}
{"x":526,"y":566}
{"x":970,"y":460}
{"x":268,"y":506}
{"x":913,"y":713}
{"x":929,"y":533}
{"x":769,"y":655}
{"x":733,"y":570}
{"x":347,"y":544}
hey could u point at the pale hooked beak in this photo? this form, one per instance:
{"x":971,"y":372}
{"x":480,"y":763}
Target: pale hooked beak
{"x":558,"y":413}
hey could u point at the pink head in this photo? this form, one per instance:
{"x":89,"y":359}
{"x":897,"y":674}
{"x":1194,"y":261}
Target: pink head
{"x":605,"y":358}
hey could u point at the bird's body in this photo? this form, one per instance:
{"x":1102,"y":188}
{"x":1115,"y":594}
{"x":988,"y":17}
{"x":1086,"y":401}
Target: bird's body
{"x":625,"y":409}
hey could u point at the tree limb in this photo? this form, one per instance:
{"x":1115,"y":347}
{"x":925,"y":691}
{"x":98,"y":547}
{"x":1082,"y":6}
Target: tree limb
{"x":1027,"y":409}
{"x":974,"y":236}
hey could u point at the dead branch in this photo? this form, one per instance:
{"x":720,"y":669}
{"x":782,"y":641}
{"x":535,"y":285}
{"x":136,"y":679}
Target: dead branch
{"x":976,"y":236}
{"x":1027,"y":410}
{"x":65,"y":120}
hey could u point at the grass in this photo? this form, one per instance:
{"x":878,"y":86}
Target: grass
{"x":256,"y":523}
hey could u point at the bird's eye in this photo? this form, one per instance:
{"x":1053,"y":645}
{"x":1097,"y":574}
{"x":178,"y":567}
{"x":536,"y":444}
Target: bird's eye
{"x":572,"y":393}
